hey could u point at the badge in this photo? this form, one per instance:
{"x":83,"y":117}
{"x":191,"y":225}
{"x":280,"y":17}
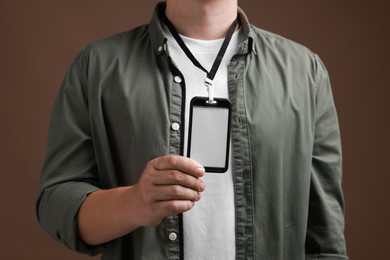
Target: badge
{"x":209,"y":133}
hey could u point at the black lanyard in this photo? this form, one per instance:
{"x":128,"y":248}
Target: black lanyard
{"x":210,"y":74}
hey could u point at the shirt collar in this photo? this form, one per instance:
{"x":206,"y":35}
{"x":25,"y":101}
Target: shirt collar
{"x":155,"y":31}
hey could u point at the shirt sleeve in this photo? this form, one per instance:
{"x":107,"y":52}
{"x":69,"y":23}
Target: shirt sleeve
{"x":325,"y":230}
{"x":69,"y":173}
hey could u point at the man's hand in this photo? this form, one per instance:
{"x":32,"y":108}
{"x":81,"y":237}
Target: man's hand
{"x":168,"y":185}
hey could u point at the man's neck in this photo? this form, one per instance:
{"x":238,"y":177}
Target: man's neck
{"x":202,"y":19}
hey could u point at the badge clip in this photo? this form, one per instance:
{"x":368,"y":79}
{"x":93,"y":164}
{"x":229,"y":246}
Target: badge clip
{"x":210,"y":89}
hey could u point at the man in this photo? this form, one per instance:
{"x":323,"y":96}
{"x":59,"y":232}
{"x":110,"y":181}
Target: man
{"x":116,"y":179}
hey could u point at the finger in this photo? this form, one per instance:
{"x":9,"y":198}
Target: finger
{"x":174,"y":192}
{"x":174,"y":177}
{"x":174,"y":207}
{"x":180,"y":163}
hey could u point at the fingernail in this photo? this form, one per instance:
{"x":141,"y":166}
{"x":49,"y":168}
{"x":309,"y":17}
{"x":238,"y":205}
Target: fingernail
{"x":200,"y":172}
{"x":202,"y":185}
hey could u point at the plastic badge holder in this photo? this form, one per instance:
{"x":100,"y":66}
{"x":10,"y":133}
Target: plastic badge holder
{"x":209,"y":133}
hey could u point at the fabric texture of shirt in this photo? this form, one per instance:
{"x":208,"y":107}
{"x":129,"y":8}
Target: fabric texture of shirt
{"x":119,"y":107}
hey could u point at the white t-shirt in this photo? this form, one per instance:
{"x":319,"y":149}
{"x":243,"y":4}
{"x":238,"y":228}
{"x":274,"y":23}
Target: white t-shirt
{"x":209,"y":228}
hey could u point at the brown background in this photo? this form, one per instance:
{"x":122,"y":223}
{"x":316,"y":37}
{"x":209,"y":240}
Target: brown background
{"x":38,"y":39}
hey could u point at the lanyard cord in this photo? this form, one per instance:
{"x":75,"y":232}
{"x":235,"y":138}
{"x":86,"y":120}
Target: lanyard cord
{"x":218,"y":59}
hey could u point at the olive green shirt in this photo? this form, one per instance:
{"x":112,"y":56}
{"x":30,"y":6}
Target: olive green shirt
{"x":114,"y":113}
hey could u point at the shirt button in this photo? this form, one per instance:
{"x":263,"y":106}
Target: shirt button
{"x":177,"y":79}
{"x":160,"y":48}
{"x":172,"y":236}
{"x":175,"y":126}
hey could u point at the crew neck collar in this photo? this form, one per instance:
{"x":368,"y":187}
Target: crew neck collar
{"x":197,"y":45}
